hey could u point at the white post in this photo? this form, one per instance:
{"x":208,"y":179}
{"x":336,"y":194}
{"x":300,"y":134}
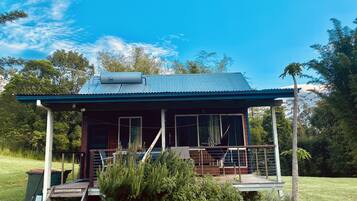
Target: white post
{"x":163,"y":131}
{"x":276,"y":148}
{"x":48,"y":154}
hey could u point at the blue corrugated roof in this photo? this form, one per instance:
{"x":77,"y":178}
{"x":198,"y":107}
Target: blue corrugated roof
{"x":216,"y":82}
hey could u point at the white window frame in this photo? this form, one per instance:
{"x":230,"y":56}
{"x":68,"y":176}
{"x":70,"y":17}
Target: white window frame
{"x":141,"y":129}
{"x":220,"y":119}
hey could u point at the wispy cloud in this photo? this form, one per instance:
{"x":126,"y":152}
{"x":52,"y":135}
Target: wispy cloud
{"x":39,"y":31}
{"x":59,"y":8}
{"x":49,"y":28}
{"x":117,"y":45}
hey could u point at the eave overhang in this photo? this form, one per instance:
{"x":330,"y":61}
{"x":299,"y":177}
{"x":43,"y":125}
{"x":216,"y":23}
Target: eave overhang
{"x":156,"y":97}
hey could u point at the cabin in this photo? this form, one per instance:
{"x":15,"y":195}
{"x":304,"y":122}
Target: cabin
{"x":202,"y":117}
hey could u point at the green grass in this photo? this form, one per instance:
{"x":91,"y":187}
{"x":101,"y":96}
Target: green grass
{"x":13,"y":177}
{"x":324,"y":188}
{"x":13,"y":180}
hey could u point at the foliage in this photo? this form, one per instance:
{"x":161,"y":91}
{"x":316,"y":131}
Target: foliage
{"x":138,"y":60}
{"x":12,"y":16}
{"x":302,"y":154}
{"x":330,"y":148}
{"x":167,"y":178}
{"x":337,"y":70}
{"x":22,"y":127}
{"x":73,"y":67}
{"x":8,"y":65}
{"x":293,"y":69}
{"x":205,"y":62}
{"x":283,"y":127}
{"x":257,"y":132}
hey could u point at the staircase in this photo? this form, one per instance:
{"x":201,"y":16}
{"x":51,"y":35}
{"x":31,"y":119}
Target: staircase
{"x":73,"y":190}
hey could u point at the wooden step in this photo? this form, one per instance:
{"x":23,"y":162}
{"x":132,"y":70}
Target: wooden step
{"x":74,"y":190}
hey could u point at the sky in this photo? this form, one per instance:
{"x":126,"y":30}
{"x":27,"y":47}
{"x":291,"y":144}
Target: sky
{"x":261,"y":37}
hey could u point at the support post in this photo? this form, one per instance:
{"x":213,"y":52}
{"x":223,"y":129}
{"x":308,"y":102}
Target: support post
{"x":48,"y":154}
{"x":276,"y":148}
{"x":62,"y":168}
{"x":163,"y":130}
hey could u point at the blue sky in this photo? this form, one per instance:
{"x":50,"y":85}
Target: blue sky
{"x":260,"y":36}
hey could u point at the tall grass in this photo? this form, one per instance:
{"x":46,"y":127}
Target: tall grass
{"x":28,"y":154}
{"x":22,"y":154}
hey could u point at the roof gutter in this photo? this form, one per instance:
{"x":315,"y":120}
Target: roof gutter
{"x":96,"y":98}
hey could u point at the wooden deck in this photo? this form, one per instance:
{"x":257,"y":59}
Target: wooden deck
{"x":250,"y":182}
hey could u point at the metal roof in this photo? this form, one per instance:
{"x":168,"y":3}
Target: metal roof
{"x":215,"y":82}
{"x":163,"y":88}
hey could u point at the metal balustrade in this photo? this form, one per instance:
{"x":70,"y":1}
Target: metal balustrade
{"x":257,"y":160}
{"x":221,"y":160}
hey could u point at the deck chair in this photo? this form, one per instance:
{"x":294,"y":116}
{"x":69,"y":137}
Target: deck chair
{"x":105,"y":160}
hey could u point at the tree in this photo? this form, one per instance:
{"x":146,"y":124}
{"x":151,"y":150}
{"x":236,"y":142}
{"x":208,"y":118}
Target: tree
{"x":12,"y":16}
{"x":22,"y":126}
{"x":294,"y":70}
{"x":138,"y":60}
{"x":205,"y":62}
{"x":337,"y":70}
{"x":256,"y":129}
{"x":8,"y":65}
{"x":74,"y":68}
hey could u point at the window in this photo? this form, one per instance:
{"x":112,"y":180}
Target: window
{"x":209,"y":130}
{"x":186,"y":128}
{"x":130,"y":131}
{"x":232,"y":128}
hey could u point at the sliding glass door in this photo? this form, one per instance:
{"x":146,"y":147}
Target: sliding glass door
{"x":232,"y":127}
{"x":130,"y":132}
{"x":186,"y":128}
{"x":209,"y":130}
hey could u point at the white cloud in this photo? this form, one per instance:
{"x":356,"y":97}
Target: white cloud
{"x":48,"y":28}
{"x":58,"y":8}
{"x":117,"y":45}
{"x":39,"y":31}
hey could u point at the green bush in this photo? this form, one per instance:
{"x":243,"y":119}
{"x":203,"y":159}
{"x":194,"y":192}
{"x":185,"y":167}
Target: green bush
{"x":167,"y":178}
{"x":264,"y":196}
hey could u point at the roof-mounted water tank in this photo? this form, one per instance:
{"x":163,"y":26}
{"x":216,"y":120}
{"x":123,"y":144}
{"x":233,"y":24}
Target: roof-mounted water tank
{"x":121,"y":77}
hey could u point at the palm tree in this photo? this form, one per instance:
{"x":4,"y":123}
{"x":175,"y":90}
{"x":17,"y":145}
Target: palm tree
{"x":294,"y":70}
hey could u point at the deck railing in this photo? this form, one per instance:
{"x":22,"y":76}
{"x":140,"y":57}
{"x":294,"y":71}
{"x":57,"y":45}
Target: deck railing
{"x":73,"y":158}
{"x":258,"y":160}
{"x":95,"y":161}
{"x":99,"y":159}
{"x":221,"y":160}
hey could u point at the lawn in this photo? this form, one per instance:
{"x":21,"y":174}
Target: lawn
{"x":13,"y":177}
{"x":13,"y":180}
{"x":325,"y":189}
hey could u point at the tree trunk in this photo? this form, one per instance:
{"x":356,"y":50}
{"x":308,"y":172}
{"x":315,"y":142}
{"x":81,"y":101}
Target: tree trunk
{"x":295,"y":167}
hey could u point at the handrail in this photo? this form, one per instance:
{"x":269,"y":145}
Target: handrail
{"x":152,"y":146}
{"x":233,"y":146}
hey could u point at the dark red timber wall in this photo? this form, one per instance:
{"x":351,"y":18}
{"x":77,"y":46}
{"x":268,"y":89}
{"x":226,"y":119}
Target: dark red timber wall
{"x":100,"y":128}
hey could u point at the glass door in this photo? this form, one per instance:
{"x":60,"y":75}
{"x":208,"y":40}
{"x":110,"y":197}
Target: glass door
{"x":130,"y":132}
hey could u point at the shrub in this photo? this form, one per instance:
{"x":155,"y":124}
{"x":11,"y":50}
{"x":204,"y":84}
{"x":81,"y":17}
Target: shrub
{"x":264,"y":196}
{"x":166,"y":178}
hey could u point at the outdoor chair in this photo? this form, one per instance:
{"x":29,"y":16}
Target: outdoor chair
{"x":105,"y":160}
